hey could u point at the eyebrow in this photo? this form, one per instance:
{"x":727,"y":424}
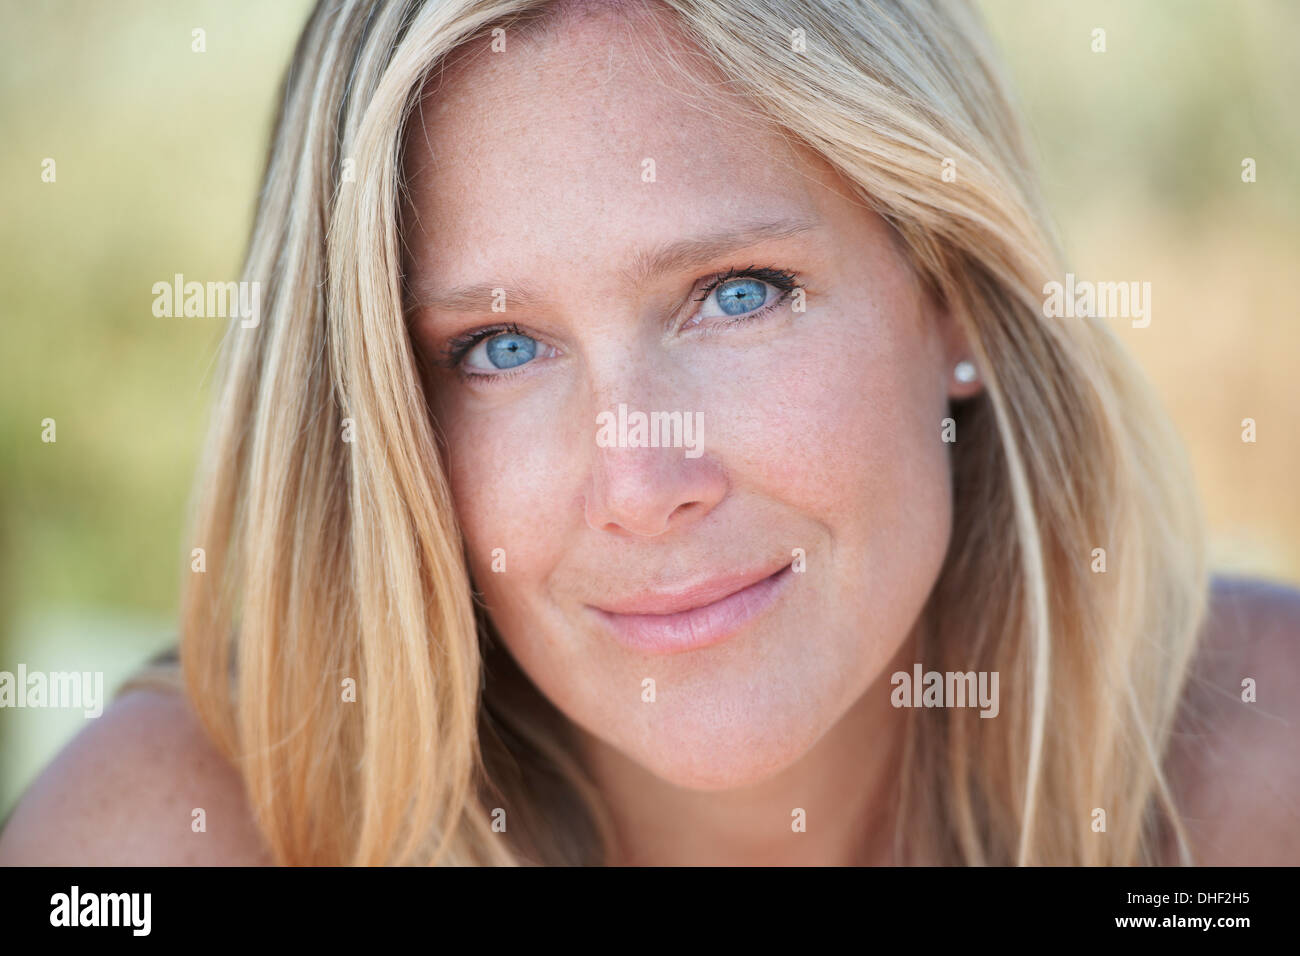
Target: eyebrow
{"x":647,"y":264}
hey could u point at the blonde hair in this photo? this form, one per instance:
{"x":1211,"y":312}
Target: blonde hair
{"x":331,"y":559}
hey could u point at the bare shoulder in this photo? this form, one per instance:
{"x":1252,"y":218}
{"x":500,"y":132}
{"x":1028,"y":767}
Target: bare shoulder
{"x":1234,"y":761}
{"x":125,"y":791}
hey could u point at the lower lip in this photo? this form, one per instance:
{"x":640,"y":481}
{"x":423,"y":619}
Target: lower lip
{"x":698,"y":627}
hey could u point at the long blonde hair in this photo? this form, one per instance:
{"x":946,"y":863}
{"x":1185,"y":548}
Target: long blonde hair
{"x":333,"y":553}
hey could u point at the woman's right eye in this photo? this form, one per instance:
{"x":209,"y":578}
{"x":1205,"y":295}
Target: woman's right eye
{"x":501,"y":353}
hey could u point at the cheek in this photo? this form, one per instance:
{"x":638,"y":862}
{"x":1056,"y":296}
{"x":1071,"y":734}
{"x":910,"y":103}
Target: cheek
{"x":847,"y":437}
{"x":842,"y":423}
{"x":507,"y":475}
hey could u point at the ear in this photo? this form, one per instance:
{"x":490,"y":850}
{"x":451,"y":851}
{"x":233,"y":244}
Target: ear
{"x":958,"y":359}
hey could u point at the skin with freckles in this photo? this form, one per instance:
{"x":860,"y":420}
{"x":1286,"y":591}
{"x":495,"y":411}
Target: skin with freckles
{"x":821,"y":428}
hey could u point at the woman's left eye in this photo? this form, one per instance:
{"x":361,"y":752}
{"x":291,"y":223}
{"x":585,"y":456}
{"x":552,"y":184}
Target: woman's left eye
{"x":745,"y":294}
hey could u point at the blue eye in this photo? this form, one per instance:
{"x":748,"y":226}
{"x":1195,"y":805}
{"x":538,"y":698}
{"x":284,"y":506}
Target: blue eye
{"x":741,"y":295}
{"x":507,"y":351}
{"x":504,"y":351}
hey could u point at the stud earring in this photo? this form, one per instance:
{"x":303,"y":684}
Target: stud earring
{"x":965,"y":372}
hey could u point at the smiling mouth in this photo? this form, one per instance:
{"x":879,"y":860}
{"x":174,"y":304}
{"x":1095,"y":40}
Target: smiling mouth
{"x":703,"y":615}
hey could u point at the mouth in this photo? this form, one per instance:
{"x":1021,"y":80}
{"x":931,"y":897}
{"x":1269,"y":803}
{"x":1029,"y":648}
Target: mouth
{"x":692,"y":618}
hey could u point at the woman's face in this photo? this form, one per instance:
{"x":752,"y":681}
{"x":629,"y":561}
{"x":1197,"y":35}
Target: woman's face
{"x":603,"y":193}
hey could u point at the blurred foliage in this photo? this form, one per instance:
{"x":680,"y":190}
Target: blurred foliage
{"x":159,"y":150}
{"x":158,"y":153}
{"x":1140,"y":150}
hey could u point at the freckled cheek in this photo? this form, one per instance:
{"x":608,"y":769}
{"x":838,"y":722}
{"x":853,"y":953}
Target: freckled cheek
{"x":509,"y":483}
{"x":832,"y":421}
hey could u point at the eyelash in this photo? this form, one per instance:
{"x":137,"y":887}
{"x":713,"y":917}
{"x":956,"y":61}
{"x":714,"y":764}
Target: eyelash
{"x":783,"y":279}
{"x":458,"y":346}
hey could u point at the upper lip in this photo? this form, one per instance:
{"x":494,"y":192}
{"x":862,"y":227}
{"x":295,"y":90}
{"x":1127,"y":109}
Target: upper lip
{"x":675,"y":599}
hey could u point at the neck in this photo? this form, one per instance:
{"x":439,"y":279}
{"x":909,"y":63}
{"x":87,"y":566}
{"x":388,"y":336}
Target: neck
{"x":846,"y":785}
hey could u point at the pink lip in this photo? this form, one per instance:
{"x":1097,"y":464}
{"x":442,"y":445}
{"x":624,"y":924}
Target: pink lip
{"x":694,"y":617}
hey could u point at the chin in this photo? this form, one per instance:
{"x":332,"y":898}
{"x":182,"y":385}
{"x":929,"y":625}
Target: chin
{"x":728,"y":743}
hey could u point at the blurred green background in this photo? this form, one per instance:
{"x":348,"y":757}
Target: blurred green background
{"x":158,"y":150}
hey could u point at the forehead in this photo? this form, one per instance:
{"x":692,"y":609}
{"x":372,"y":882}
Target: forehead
{"x":600,"y":130}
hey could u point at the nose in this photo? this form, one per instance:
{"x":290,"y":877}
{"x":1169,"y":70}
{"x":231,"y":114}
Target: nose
{"x":636,"y":488}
